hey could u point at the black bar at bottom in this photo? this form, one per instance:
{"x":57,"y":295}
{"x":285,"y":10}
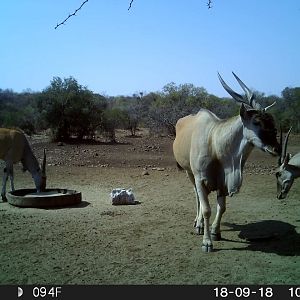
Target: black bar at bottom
{"x":207,"y":292}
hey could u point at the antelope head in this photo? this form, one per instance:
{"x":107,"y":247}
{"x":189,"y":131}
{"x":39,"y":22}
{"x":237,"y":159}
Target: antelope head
{"x":285,"y":173}
{"x":258,"y":125}
{"x":40,"y":177}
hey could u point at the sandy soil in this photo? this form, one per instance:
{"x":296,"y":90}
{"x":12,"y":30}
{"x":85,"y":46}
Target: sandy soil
{"x":152,"y":242}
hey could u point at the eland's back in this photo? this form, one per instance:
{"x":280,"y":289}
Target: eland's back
{"x":12,"y":142}
{"x":14,"y":147}
{"x":192,"y":136}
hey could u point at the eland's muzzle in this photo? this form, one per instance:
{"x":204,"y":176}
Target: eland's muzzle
{"x":275,"y":151}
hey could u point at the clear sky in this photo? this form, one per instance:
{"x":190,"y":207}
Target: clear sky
{"x":114,"y":51}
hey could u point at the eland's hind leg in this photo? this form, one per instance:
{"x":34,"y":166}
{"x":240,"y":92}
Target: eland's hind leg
{"x":198,"y":223}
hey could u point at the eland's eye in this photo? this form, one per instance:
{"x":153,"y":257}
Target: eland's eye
{"x":277,"y":174}
{"x":256,"y":122}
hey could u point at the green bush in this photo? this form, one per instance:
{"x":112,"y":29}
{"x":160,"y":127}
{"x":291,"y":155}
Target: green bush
{"x":70,"y":110}
{"x":111,"y":120}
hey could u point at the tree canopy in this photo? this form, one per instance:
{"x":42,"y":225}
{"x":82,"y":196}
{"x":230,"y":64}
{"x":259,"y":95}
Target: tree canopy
{"x":71,"y":110}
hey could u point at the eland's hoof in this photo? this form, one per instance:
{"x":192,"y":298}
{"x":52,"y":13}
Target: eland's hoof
{"x":207,"y":248}
{"x":4,"y":199}
{"x":199,"y":230}
{"x":216,"y":236}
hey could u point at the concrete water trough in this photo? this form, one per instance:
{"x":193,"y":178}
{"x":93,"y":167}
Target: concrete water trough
{"x":48,"y":198}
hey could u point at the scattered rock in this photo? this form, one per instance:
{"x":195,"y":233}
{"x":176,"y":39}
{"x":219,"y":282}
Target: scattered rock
{"x":158,"y":169}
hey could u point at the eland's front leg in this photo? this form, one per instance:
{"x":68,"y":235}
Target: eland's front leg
{"x":199,"y":222}
{"x":11,"y":177}
{"x":216,"y":226}
{"x":207,"y":245}
{"x":4,"y":180}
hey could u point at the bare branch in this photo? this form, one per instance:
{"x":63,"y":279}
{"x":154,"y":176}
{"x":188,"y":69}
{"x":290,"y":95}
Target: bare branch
{"x":209,"y":5}
{"x":130,"y":4}
{"x":71,"y":15}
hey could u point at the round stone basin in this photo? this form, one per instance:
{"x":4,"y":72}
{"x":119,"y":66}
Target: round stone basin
{"x":48,"y":198}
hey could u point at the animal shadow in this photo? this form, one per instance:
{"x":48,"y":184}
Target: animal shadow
{"x":269,"y":236}
{"x":82,"y":204}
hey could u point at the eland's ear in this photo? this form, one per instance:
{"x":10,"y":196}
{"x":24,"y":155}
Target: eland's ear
{"x":243,"y":112}
{"x":286,"y":159}
{"x":279,"y":162}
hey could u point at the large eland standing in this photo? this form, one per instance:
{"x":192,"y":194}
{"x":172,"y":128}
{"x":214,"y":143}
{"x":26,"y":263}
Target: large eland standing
{"x":214,"y":151}
{"x":14,"y":147}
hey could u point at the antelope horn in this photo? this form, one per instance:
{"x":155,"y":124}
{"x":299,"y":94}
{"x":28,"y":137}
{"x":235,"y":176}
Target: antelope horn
{"x":284,"y":146}
{"x":269,"y":106}
{"x":44,"y":163}
{"x":244,"y":87}
{"x":280,"y":160}
{"x":280,"y":136}
{"x":234,"y":95}
{"x":250,"y":95}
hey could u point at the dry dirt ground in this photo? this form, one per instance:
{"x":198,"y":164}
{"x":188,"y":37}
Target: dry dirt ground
{"x":152,"y":242}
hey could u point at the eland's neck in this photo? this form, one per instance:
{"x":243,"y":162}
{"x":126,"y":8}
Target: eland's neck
{"x":295,"y":163}
{"x":295,"y":160}
{"x":29,"y":161}
{"x":296,"y":172}
{"x":231,"y":142}
{"x":232,"y":149}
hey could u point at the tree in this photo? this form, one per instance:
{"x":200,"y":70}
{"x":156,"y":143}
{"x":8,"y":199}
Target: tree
{"x":19,"y":110}
{"x":111,"y":120}
{"x":291,"y":98}
{"x":134,"y":113}
{"x":70,"y":109}
{"x":173,"y":103}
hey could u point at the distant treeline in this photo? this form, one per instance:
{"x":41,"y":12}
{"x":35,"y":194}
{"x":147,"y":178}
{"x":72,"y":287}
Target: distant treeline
{"x":70,"y":110}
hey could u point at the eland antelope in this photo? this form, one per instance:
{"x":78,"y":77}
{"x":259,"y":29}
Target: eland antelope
{"x":14,"y":147}
{"x":213,"y":152}
{"x":288,"y":169}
